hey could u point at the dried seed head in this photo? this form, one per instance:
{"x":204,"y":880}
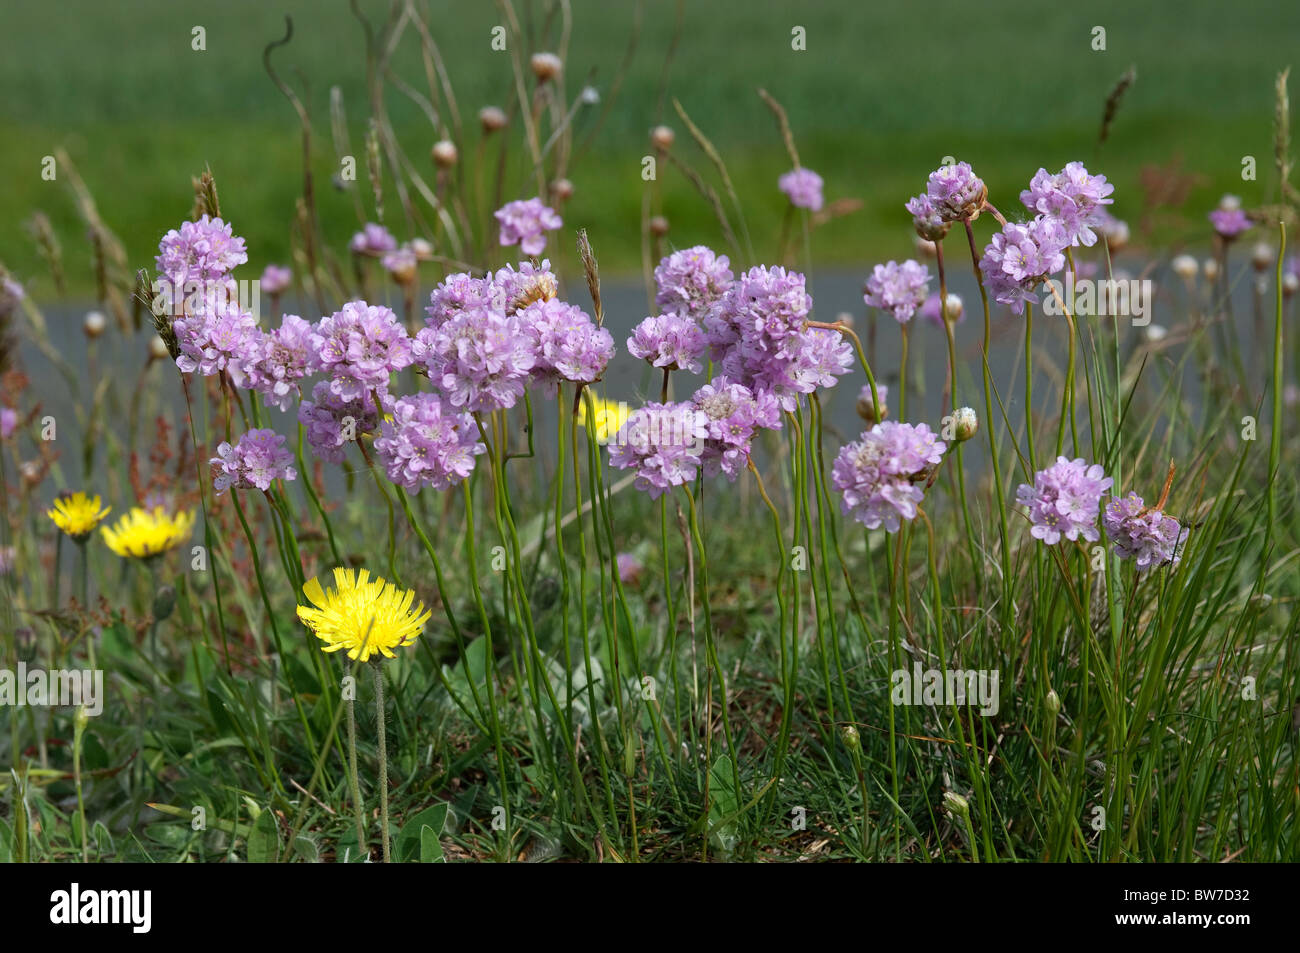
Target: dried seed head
{"x":444,"y":153}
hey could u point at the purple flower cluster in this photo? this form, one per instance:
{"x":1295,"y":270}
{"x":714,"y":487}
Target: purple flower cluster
{"x":1021,"y":257}
{"x":878,"y":474}
{"x":692,"y":282}
{"x":456,"y":293}
{"x":512,"y":291}
{"x":663,"y":443}
{"x":758,"y":336}
{"x":956,"y":192}
{"x":567,"y":344}
{"x":333,"y":422}
{"x":1073,"y":198}
{"x":373,"y":240}
{"x":218,"y":336}
{"x":284,"y":358}
{"x":479,"y":358}
{"x":733,"y":414}
{"x":898,"y":289}
{"x":1063,"y":500}
{"x":927,"y":218}
{"x":1147,"y":536}
{"x":525,"y":223}
{"x":257,"y":458}
{"x":359,"y":347}
{"x":275,"y":279}
{"x":202,"y":251}
{"x":1229,"y":222}
{"x":803,"y":187}
{"x":428,"y":443}
{"x":672,"y":341}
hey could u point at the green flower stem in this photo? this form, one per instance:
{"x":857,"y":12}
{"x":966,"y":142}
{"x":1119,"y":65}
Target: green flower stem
{"x":377,"y":669}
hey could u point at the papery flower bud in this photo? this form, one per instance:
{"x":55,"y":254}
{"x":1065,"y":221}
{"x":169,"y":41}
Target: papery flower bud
{"x":157,"y":348}
{"x":1211,"y":268}
{"x":1052,"y":703}
{"x":965,"y":424}
{"x":444,"y":153}
{"x":562,"y":189}
{"x":663,"y":137}
{"x":954,"y":803}
{"x":866,"y":407}
{"x":659,"y":225}
{"x":492,"y":118}
{"x":164,"y":601}
{"x":852,"y":740}
{"x":1185,"y":267}
{"x":545,"y":66}
{"x":1261,"y":256}
{"x":94,"y":324}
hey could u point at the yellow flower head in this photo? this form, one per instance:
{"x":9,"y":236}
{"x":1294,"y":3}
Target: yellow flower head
{"x":143,"y":533}
{"x":608,"y":418}
{"x":363,"y":615}
{"x":77,"y":514}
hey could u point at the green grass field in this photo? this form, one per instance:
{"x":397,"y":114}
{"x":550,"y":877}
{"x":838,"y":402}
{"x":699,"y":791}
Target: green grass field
{"x":881,"y":94}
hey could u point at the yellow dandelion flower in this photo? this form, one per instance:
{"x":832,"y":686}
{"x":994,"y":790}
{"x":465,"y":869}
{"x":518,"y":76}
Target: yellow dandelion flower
{"x":607,"y":419}
{"x":77,"y":515}
{"x":362,"y":615}
{"x":142,"y":533}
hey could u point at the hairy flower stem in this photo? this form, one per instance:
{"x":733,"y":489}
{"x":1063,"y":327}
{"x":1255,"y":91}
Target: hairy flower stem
{"x":354,"y":783}
{"x":381,"y":729}
{"x":999,"y":493}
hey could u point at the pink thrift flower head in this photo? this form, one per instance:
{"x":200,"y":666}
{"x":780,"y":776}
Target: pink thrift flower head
{"x":629,"y":567}
{"x":663,"y":443}
{"x":479,"y":359}
{"x":567,"y":344}
{"x":401,"y":264}
{"x":11,"y":292}
{"x":1021,"y":257}
{"x":933,"y":313}
{"x":275,"y":279}
{"x":454,"y":294}
{"x":333,"y":422}
{"x":427,"y":442}
{"x":8,"y":422}
{"x":511,"y":291}
{"x":803,"y":187}
{"x":1063,"y":500}
{"x":373,"y":240}
{"x":218,"y":335}
{"x":692,"y":282}
{"x":670,"y":341}
{"x":1074,"y":198}
{"x":1229,"y":222}
{"x":898,"y":289}
{"x":203,"y":251}
{"x":733,"y":414}
{"x":927,"y":218}
{"x":284,"y":359}
{"x":879,"y":475}
{"x":1147,"y":536}
{"x":956,"y":192}
{"x":255,"y":459}
{"x":525,"y":223}
{"x":359,"y":347}
{"x":866,"y":406}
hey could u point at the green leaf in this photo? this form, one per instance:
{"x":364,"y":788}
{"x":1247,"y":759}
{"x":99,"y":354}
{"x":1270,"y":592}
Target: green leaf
{"x":430,"y":846}
{"x":306,"y":848}
{"x":103,"y":840}
{"x":264,"y":841}
{"x":410,"y":842}
{"x":724,"y":804}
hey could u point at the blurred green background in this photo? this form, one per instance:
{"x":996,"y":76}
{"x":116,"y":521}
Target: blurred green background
{"x":881,"y":94}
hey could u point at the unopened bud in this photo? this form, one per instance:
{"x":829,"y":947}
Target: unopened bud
{"x":422,"y":248}
{"x":1261,"y":256}
{"x":1290,"y":284}
{"x":1052,"y":703}
{"x":965,"y":424}
{"x":1211,"y":268}
{"x":94,"y":324}
{"x":663,"y":137}
{"x":157,"y":348}
{"x":867,"y":408}
{"x":444,"y":153}
{"x":956,"y":804}
{"x":164,"y":601}
{"x":546,"y":66}
{"x":659,"y":225}
{"x":926,"y":247}
{"x":562,"y":189}
{"x":1117,"y":235}
{"x":1230,"y":203}
{"x":852,"y":740}
{"x":1185,"y":267}
{"x":953,"y":307}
